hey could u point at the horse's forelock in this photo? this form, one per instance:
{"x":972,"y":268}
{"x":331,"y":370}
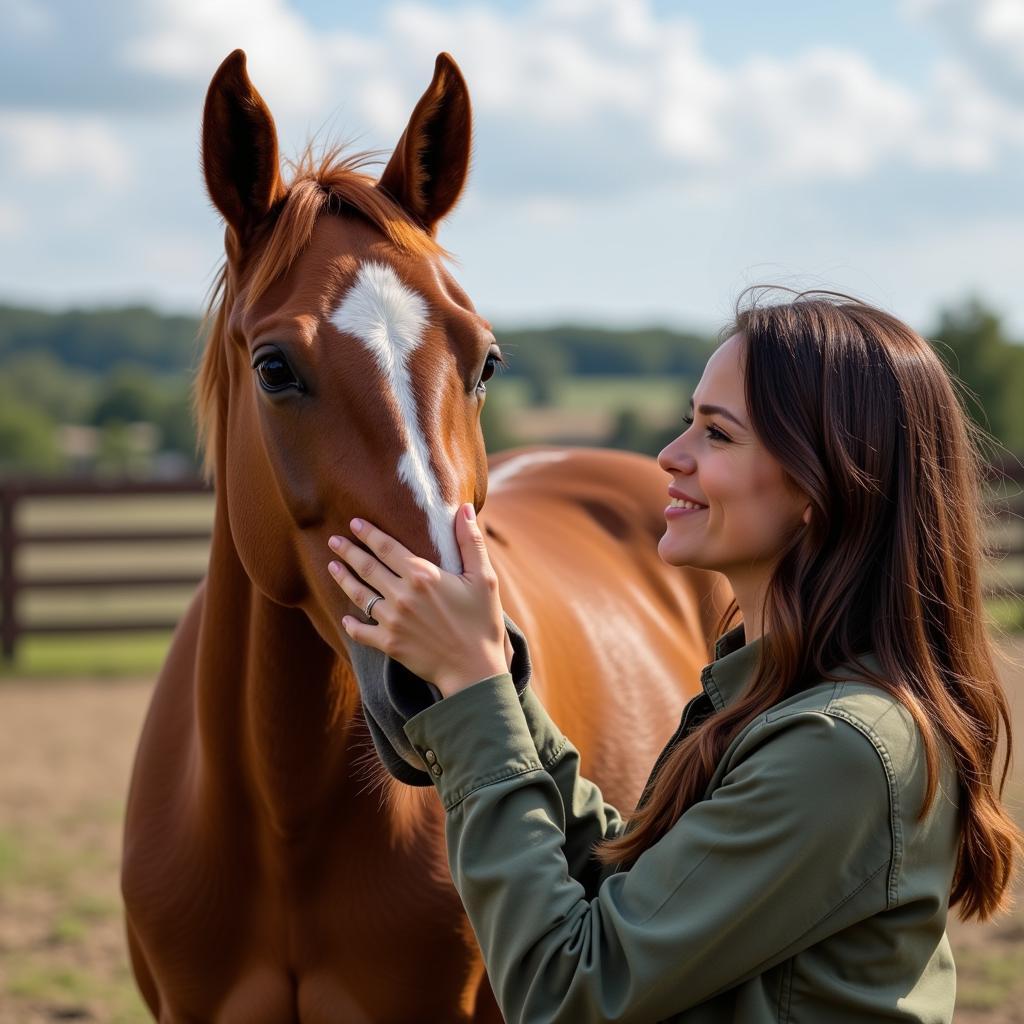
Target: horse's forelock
{"x":328,"y":181}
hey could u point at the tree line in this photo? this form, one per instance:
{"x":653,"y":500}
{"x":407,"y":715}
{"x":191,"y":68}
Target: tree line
{"x":112,"y":370}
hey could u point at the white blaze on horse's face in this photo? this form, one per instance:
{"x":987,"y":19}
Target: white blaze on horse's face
{"x":389,"y":318}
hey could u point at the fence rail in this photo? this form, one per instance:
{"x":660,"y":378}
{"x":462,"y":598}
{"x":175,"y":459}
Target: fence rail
{"x":13,"y":583}
{"x":13,"y":539}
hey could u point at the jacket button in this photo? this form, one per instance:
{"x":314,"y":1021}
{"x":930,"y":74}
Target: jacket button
{"x":436,"y":769}
{"x":430,"y":756}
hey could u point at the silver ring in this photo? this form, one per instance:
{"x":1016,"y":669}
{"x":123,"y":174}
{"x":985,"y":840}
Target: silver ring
{"x":368,"y":610}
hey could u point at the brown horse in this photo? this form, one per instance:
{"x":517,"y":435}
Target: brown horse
{"x":273,"y":871}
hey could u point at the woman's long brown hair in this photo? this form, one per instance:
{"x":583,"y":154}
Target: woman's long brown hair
{"x":862,"y":415}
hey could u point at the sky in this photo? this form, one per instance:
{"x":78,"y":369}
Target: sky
{"x":635,"y":161}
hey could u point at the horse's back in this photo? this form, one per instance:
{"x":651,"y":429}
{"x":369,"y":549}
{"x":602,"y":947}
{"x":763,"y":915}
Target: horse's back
{"x":573,"y":535}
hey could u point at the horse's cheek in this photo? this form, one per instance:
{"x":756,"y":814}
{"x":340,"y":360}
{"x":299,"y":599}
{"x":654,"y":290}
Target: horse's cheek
{"x":262,"y":524}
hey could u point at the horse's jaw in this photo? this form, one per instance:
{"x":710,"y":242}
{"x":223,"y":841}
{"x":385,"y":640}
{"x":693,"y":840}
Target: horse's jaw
{"x":391,"y":695}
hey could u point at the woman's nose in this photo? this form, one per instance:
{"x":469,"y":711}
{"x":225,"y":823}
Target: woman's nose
{"x":674,"y":457}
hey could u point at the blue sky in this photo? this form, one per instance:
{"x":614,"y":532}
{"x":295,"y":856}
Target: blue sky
{"x":635,"y":162}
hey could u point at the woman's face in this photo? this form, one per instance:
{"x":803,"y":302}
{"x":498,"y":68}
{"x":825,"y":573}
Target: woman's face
{"x":750,"y":508}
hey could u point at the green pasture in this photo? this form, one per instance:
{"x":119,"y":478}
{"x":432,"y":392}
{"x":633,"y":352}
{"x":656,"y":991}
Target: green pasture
{"x":656,"y":397}
{"x":70,"y":656}
{"x":123,"y":655}
{"x":77,"y":883}
{"x":142,"y":654}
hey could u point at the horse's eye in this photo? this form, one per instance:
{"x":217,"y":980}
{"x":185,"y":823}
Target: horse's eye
{"x":274,"y":373}
{"x":493,"y":361}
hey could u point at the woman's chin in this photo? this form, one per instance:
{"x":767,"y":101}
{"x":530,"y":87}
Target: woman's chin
{"x":676,"y":554}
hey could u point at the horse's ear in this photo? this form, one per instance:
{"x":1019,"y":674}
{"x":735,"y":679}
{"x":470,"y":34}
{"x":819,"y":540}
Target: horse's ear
{"x":240,"y":159}
{"x":428,"y":169}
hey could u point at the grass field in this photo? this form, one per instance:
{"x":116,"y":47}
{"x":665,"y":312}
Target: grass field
{"x":65,"y":758}
{"x":70,"y":711}
{"x":98,"y":656}
{"x":660,"y":397}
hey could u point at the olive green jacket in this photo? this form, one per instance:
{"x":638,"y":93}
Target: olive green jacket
{"x":802,"y":888}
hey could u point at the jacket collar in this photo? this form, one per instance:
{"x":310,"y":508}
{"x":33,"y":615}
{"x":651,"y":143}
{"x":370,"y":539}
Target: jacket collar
{"x":726,"y":677}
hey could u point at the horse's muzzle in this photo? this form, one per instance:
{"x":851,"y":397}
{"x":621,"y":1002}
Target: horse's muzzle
{"x":391,"y":695}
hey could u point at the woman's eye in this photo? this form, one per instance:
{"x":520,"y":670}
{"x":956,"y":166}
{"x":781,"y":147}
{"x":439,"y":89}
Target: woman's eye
{"x":274,"y":373}
{"x":713,"y":432}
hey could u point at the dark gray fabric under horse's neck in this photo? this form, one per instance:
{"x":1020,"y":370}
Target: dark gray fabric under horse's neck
{"x":391,"y":695}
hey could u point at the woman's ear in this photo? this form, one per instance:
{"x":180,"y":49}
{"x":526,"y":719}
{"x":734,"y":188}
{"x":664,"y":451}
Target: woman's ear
{"x":807,"y":515}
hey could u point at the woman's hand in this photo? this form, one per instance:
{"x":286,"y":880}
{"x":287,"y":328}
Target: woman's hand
{"x":447,"y":629}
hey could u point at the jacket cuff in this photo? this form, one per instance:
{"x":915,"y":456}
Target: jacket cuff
{"x":476,"y":737}
{"x":547,"y":737}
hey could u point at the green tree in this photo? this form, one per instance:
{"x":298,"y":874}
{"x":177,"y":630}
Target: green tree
{"x":972,"y":342}
{"x":544,"y":367}
{"x":122,"y":451}
{"x":1013,"y":399}
{"x":99,"y":339}
{"x":173,"y":416}
{"x":40,"y":380}
{"x":631,"y":433}
{"x":28,"y":440}
{"x":495,"y":421}
{"x":129,"y":395}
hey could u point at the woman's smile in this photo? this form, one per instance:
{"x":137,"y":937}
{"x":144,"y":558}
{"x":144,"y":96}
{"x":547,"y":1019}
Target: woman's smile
{"x":676,"y":511}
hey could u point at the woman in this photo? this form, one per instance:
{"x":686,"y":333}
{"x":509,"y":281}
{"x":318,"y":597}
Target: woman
{"x":829,"y":793}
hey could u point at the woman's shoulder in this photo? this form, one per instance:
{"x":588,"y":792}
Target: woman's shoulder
{"x":844,"y":751}
{"x":878,"y":722}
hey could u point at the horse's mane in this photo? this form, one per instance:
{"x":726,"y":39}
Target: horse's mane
{"x":326,"y":183}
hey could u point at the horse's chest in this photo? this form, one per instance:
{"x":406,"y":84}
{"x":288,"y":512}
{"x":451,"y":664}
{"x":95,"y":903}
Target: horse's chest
{"x":340,"y":928}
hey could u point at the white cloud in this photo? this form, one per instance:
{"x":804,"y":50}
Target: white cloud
{"x":965,"y":124}
{"x":987,"y":34}
{"x":601,"y":96}
{"x":548,"y":211}
{"x":572,"y":96}
{"x":826,"y":113}
{"x":595,"y":120}
{"x":186,"y":40}
{"x":57,"y":146}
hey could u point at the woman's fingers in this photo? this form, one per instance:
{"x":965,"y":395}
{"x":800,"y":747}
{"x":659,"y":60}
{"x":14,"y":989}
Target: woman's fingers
{"x":352,"y":586}
{"x":365,"y":565}
{"x":398,"y":558}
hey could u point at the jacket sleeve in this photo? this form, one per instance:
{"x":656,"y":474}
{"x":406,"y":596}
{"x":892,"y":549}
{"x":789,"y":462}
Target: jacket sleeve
{"x":792,"y":845}
{"x":586,"y":817}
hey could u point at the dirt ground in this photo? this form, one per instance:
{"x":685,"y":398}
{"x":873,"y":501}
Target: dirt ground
{"x":65,"y":757}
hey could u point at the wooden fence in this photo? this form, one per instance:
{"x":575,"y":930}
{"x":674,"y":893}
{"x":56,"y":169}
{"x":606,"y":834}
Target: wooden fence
{"x":15,"y":538}
{"x":1006,"y":541}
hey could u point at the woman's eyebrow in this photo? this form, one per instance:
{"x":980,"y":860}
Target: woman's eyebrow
{"x":710,"y":410}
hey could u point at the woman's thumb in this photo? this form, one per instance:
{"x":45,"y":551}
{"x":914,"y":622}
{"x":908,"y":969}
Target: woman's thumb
{"x":471,"y":540}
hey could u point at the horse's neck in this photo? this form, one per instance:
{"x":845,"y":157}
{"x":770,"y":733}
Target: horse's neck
{"x":278,"y":710}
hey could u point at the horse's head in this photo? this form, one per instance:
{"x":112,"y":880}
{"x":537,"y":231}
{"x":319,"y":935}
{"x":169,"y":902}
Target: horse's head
{"x":344,"y":374}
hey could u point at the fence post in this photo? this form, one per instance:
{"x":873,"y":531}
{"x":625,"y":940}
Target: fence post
{"x":8,"y":582}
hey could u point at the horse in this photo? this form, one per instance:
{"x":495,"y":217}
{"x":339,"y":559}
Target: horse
{"x":273,"y":871}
